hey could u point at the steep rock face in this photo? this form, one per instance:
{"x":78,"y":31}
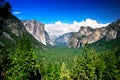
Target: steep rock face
{"x":113,"y":30}
{"x":13,"y":24}
{"x":84,"y":31}
{"x":10,"y":29}
{"x":87,"y":35}
{"x":36,"y":29}
{"x":63,"y":40}
{"x":47,"y":38}
{"x":96,"y":35}
{"x":80,"y":37}
{"x":112,"y":34}
{"x":73,"y":42}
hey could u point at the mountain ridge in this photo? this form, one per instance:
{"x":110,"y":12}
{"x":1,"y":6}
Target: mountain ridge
{"x":89,"y":35}
{"x":109,"y":32}
{"x":11,"y":28}
{"x":63,"y":40}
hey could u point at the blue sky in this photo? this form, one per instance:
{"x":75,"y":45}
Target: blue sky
{"x":67,"y":11}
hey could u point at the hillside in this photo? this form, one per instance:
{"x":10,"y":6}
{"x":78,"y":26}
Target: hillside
{"x":11,"y":29}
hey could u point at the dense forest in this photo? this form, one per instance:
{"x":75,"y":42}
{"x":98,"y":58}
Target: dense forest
{"x":58,"y":63}
{"x":22,"y":61}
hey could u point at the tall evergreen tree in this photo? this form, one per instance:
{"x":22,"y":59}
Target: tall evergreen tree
{"x":85,"y":66}
{"x":5,"y":9}
{"x":4,"y":61}
{"x":65,"y":73}
{"x":5,"y":12}
{"x":23,"y":63}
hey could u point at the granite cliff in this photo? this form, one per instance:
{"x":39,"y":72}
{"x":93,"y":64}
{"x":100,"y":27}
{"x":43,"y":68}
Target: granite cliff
{"x":88,"y":35}
{"x":11,"y":28}
{"x":63,"y":40}
{"x":37,"y":30}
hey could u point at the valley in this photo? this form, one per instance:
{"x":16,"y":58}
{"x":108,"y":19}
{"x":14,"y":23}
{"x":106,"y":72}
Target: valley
{"x":32,"y":50}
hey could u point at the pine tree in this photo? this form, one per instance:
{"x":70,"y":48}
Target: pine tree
{"x":23,"y":63}
{"x":65,"y":73}
{"x":5,"y":9}
{"x":53,"y":72}
{"x":5,"y":12}
{"x":4,"y":61}
{"x":86,"y":65}
{"x":112,"y":62}
{"x":100,"y":66}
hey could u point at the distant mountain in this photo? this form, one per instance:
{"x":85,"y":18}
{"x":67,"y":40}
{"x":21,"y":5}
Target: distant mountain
{"x":63,"y":40}
{"x":87,"y":35}
{"x":37,"y":30}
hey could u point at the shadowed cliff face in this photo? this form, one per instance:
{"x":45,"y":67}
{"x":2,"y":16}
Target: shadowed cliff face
{"x":10,"y":28}
{"x":87,"y":35}
{"x":13,"y":24}
{"x":47,"y":38}
{"x":37,"y":30}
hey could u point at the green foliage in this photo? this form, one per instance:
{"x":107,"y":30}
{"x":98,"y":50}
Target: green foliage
{"x":52,"y":59}
{"x":55,"y":63}
{"x":102,"y":45}
{"x":59,"y":63}
{"x":112,"y":62}
{"x":53,"y":72}
{"x":65,"y":73}
{"x":92,"y":66}
{"x":100,"y":66}
{"x":22,"y":61}
{"x":4,"y":62}
{"x":86,"y":65}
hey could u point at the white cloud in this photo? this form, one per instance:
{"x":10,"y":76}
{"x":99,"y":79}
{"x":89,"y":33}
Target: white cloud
{"x":58,"y":23}
{"x":91,"y":23}
{"x":59,"y":28}
{"x":17,"y":12}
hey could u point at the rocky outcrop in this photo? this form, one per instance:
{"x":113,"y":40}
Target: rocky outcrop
{"x":12,"y":24}
{"x":87,"y":35}
{"x":112,"y":34}
{"x":2,"y":44}
{"x":10,"y":29}
{"x":47,"y":38}
{"x":7,"y":36}
{"x":113,"y":30}
{"x":37,"y":30}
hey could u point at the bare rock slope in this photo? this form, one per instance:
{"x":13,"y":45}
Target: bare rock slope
{"x":87,"y":35}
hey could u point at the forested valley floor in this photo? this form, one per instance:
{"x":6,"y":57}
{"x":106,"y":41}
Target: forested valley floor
{"x":23,"y":62}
